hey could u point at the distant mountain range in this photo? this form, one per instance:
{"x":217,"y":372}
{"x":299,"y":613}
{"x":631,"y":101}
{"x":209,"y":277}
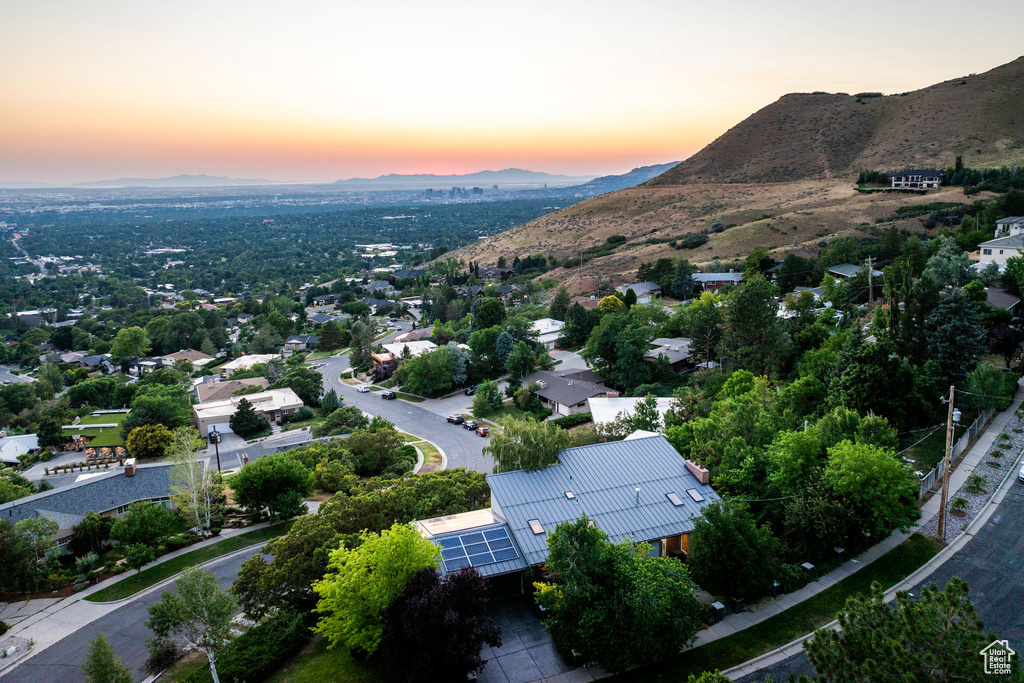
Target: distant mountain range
{"x":422,"y":181}
{"x":611,"y":183}
{"x":183,"y":180}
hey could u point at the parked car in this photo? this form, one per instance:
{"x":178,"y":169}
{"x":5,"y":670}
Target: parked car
{"x":469,"y":425}
{"x":1021,"y":475}
{"x":388,"y":395}
{"x":364,"y":389}
{"x":456,"y":419}
{"x":470,"y":390}
{"x":483,"y":431}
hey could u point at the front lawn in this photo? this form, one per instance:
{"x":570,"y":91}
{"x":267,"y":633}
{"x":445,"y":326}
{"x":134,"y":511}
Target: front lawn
{"x":157,"y":573}
{"x":320,"y":665}
{"x":796,"y":621}
{"x":409,"y":397}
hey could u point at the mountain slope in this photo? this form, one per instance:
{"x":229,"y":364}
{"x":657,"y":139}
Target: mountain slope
{"x":783,"y":178}
{"x":821,"y":135}
{"x":611,"y":183}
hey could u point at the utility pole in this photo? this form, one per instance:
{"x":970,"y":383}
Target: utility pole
{"x":216,"y":448}
{"x":941,"y":533}
{"x":871,"y":288}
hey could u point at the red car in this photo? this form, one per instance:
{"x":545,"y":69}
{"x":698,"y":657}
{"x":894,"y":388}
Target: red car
{"x":483,"y":431}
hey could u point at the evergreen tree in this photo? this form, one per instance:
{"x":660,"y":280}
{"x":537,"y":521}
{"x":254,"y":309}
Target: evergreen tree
{"x":503,"y":347}
{"x":682,"y":281}
{"x":245,"y":421}
{"x":330,"y":336}
{"x":330,"y":402}
{"x":362,"y":340}
{"x":577,"y":324}
{"x":560,"y":304}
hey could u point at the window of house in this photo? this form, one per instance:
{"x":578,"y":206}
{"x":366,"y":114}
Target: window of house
{"x":987,"y":252}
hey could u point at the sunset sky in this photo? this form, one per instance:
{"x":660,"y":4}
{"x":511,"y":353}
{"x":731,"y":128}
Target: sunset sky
{"x":306,"y":90}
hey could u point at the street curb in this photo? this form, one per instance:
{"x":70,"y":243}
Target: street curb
{"x":940,"y":558}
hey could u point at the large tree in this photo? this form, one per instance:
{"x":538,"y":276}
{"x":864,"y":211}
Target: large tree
{"x":525,"y":444}
{"x":882,"y":490}
{"x":936,"y":637}
{"x":130,"y":343}
{"x":245,"y":421}
{"x":560,"y":304}
{"x":149,"y":441}
{"x":363,"y":582}
{"x":615,"y":604}
{"x":444,"y":621}
{"x":274,"y":484}
{"x":730,"y":554}
{"x":488,"y":313}
{"x":956,"y":335}
{"x":196,"y":490}
{"x":199,"y":612}
{"x":752,"y":336}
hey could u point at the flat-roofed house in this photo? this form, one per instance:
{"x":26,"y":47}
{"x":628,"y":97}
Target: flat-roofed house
{"x":274,"y":404}
{"x":915,"y":179}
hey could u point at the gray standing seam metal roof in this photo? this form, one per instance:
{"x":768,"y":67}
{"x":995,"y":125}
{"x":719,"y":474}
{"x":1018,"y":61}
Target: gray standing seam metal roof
{"x":603,"y":478}
{"x":68,"y":504}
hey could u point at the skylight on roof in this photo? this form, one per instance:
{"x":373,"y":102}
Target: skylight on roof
{"x":674,"y":499}
{"x":536,"y":526}
{"x":695,"y":494}
{"x":570,"y":495}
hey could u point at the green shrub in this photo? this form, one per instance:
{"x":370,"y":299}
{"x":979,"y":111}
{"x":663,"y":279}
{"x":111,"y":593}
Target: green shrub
{"x":304,"y":413}
{"x":260,"y":651}
{"x":572,"y":420}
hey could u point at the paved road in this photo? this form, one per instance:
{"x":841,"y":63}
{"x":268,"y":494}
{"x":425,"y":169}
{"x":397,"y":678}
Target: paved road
{"x":992,"y":563}
{"x":462,"y":447}
{"x":124,"y":628}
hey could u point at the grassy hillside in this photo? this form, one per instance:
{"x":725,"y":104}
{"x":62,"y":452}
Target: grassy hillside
{"x":822,"y":135}
{"x":783,"y":178}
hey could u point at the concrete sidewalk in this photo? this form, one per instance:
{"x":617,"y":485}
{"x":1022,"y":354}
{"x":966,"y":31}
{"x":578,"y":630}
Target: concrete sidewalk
{"x":47,"y":621}
{"x":929,"y":510}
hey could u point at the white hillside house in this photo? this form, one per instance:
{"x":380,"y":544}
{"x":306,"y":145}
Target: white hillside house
{"x":1008,"y":242}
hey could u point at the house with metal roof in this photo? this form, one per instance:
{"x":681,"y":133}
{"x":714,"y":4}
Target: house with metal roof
{"x":105,"y":492}
{"x":640,"y":489}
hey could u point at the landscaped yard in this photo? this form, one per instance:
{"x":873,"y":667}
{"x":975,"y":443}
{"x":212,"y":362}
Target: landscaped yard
{"x":409,"y":397}
{"x":317,"y":664}
{"x":431,"y":457}
{"x":794,"y":622}
{"x":157,"y":573}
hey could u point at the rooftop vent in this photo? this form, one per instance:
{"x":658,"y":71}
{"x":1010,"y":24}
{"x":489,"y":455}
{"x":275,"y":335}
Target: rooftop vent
{"x":570,"y":495}
{"x":674,"y":499}
{"x":695,"y":494}
{"x":542,"y":384}
{"x":536,"y":527}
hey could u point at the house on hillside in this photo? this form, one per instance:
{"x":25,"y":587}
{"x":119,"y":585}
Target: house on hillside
{"x":108,"y":492}
{"x":416,"y":348}
{"x":246,"y":362}
{"x":998,"y":298}
{"x":494,"y":274}
{"x":715,"y":281}
{"x":915,"y":179}
{"x":13,"y":447}
{"x":847,"y":270}
{"x":301,"y":342}
{"x":638,"y":489}
{"x":1001,"y":249}
{"x":375,"y":286}
{"x":566,"y":393}
{"x":675,"y":350}
{"x":587,"y":302}
{"x":548,"y":331}
{"x":645,"y":291}
{"x":1011,"y":225}
{"x":325,"y":300}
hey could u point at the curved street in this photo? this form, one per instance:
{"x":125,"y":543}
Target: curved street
{"x":125,"y":628}
{"x":991,"y":563}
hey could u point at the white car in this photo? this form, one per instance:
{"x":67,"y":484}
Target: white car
{"x":364,"y":389}
{"x":1020,"y":477}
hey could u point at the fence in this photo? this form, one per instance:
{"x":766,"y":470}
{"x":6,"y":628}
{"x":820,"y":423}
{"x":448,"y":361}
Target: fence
{"x":932,"y":479}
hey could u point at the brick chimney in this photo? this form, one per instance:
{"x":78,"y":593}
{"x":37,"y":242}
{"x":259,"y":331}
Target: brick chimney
{"x":129,"y":467}
{"x":613,"y":394}
{"x":703,"y":476}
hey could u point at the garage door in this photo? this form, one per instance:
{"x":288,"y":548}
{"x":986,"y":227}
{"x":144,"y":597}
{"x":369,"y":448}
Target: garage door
{"x":223,"y":428}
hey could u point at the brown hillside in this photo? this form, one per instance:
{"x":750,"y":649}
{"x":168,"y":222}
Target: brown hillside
{"x":821,"y":135}
{"x":783,"y":178}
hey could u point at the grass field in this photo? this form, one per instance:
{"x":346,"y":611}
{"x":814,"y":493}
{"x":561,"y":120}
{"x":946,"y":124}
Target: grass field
{"x":794,"y":622}
{"x":409,"y":397}
{"x":157,"y":573}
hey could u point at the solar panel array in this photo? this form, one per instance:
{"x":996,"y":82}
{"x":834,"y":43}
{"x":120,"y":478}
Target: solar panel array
{"x":476,"y":549}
